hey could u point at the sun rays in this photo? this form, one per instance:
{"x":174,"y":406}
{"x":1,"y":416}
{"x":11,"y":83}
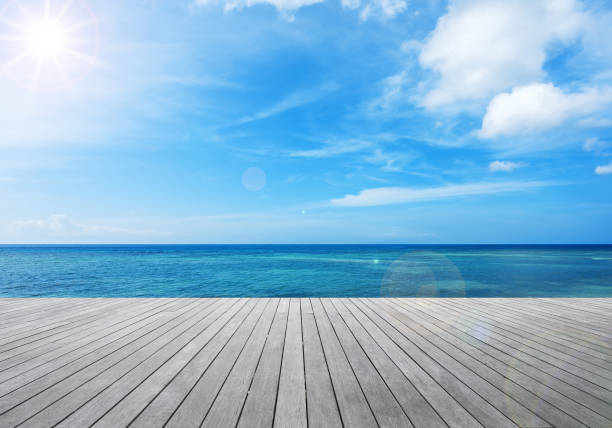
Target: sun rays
{"x":46,"y":45}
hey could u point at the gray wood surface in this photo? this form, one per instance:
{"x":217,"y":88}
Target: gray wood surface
{"x":297,"y":362}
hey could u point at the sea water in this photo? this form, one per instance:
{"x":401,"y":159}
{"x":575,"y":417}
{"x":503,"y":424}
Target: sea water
{"x":306,"y":270}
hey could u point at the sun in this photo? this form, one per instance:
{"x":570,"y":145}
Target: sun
{"x":45,"y":44}
{"x":46,"y":39}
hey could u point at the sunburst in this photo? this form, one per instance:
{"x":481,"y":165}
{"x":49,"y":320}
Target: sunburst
{"x":46,"y":45}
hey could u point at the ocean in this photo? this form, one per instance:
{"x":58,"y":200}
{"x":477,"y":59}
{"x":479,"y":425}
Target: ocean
{"x":306,"y":270}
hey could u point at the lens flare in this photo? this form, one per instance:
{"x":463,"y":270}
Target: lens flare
{"x":46,"y":39}
{"x":45,"y":45}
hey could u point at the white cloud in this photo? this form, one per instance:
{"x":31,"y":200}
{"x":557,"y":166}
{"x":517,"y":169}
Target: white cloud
{"x":398,"y":195}
{"x":506,"y":166}
{"x":482,"y":47}
{"x":591,"y":122}
{"x":595,"y":145}
{"x":286,"y":7}
{"x":291,"y":101}
{"x":368,"y":9}
{"x":61,"y":226}
{"x":333,"y":149}
{"x":604,"y":169}
{"x":381,"y":8}
{"x":538,"y":107}
{"x":390,"y":161}
{"x":393,"y":93}
{"x":57,"y":223}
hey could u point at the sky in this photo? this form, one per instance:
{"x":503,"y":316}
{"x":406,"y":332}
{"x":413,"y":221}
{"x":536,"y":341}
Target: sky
{"x":305,"y":121}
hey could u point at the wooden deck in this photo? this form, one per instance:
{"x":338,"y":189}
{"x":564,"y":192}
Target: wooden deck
{"x":306,"y":362}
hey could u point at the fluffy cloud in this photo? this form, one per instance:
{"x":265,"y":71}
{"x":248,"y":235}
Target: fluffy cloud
{"x":506,"y":166}
{"x":604,"y":169}
{"x":397,"y":195}
{"x":482,"y":47}
{"x":538,"y":107}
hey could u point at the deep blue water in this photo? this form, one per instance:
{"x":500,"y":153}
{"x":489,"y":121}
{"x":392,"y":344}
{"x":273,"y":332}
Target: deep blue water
{"x":305,"y":270}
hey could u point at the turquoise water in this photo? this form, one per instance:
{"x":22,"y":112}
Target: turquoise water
{"x":305,"y":270}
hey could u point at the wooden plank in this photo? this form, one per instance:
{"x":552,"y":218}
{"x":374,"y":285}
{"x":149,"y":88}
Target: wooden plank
{"x":512,"y":409}
{"x":55,"y":354}
{"x":54,"y":347}
{"x":561,"y":359}
{"x":37,"y":330}
{"x":196,"y":404}
{"x":535,"y":330}
{"x":104,"y":371}
{"x":556,"y":316}
{"x":164,"y":405}
{"x":386,"y":409}
{"x":582,"y":379}
{"x":577,"y":315}
{"x":225,"y":411}
{"x":111,"y":352}
{"x":291,"y":397}
{"x":258,"y":409}
{"x":479,"y":409}
{"x":571,"y":309}
{"x":130,"y":393}
{"x":353,"y":362}
{"x":77,"y":313}
{"x":354,"y":408}
{"x":30,"y":334}
{"x":513,"y":390}
{"x":20,"y":313}
{"x":443,"y":403}
{"x":534,"y":338}
{"x":523,"y":374}
{"x":64,"y":312}
{"x":321,"y":403}
{"x":599,"y":340}
{"x":576,"y":387}
{"x":416,"y":407}
{"x":47,"y":374}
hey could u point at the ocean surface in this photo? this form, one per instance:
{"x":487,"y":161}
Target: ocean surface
{"x":306,"y":270}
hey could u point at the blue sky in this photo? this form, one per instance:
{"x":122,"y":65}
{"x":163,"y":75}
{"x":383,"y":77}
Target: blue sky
{"x":306,"y":121}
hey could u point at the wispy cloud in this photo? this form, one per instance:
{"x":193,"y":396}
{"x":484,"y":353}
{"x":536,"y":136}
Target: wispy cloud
{"x":286,"y":8}
{"x":604,"y":169}
{"x":594,"y":122}
{"x":391,"y":161}
{"x":506,"y":166}
{"x":198,"y":81}
{"x":63,"y":226}
{"x":595,"y":145}
{"x":335,"y":148}
{"x":398,"y":195}
{"x":291,"y":101}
